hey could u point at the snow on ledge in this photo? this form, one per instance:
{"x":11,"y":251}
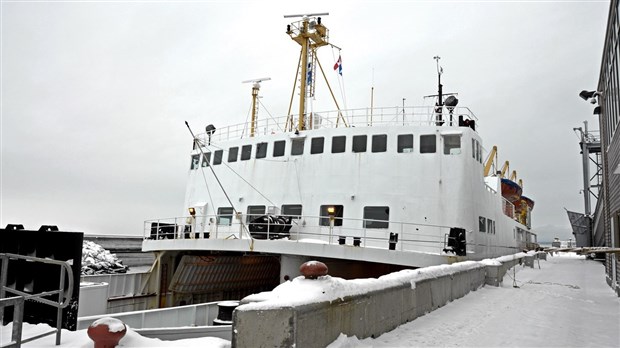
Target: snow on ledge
{"x":301,"y":291}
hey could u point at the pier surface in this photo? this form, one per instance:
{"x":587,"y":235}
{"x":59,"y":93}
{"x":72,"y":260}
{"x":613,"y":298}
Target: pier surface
{"x":564,"y":303}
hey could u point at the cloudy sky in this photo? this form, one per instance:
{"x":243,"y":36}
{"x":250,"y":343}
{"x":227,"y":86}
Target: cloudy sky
{"x":94,"y":94}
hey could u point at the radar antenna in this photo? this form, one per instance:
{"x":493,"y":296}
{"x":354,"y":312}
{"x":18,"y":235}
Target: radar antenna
{"x":255,"y":89}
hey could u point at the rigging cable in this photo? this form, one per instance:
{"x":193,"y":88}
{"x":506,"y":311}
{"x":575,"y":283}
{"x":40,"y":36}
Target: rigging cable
{"x":271,"y":116}
{"x":242,"y":178}
{"x":223,"y":190}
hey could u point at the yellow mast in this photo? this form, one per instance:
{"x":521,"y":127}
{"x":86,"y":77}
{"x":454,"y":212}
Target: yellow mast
{"x":310,"y":34}
{"x":255,"y":90}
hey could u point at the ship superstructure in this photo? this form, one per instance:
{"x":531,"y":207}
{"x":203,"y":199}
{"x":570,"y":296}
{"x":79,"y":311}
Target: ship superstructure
{"x":367,"y":191}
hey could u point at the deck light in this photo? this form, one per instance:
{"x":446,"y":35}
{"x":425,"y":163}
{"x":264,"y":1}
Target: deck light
{"x":331,"y":211}
{"x":192,"y":211}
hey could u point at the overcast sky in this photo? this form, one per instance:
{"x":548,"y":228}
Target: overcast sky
{"x":95,"y":94}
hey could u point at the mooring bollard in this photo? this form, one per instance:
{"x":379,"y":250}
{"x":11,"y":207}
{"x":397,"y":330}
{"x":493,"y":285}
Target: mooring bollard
{"x":106,"y":332}
{"x":313,"y":269}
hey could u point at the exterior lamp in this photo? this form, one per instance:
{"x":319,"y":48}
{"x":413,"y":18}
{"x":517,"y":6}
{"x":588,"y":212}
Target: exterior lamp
{"x":331,"y":211}
{"x":192,"y":211}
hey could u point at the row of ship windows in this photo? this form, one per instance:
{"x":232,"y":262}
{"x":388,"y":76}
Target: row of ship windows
{"x":486,"y":225}
{"x":359,"y":144}
{"x":374,"y":217}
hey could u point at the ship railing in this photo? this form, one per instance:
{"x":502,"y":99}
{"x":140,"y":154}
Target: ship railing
{"x":364,"y":117}
{"x":395,"y":235}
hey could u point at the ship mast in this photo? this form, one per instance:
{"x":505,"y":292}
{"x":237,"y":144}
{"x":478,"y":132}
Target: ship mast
{"x":310,"y":34}
{"x":255,"y":89}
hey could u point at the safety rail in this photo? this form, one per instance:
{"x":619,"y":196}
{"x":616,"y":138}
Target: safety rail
{"x":64,"y":296}
{"x":409,"y":236}
{"x":364,"y":117}
{"x":18,"y":314}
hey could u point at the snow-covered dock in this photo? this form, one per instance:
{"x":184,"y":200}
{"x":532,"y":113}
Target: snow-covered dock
{"x":564,"y":303}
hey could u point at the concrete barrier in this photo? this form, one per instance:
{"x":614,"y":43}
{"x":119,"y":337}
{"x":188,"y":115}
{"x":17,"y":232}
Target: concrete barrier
{"x":364,"y":315}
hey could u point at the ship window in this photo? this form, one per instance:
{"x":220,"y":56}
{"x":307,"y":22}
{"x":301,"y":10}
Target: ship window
{"x":195,"y":161}
{"x":493,"y":226}
{"x":324,"y":221}
{"x":297,"y":147}
{"x":254,"y":211}
{"x":233,"y":153}
{"x":451,"y":144}
{"x":278,"y":148}
{"x":316,"y":146}
{"x":473,"y":148}
{"x":478,"y":152}
{"x":224,"y":215}
{"x":379,"y":143}
{"x":261,"y":150}
{"x":428,"y":143}
{"x":206,"y":159}
{"x":217,"y":157}
{"x":292,"y":210}
{"x":246,"y":152}
{"x":482,"y":224}
{"x":376,"y":217}
{"x":359,"y":143}
{"x":405,"y":143}
{"x":489,"y":226}
{"x":339,"y":144}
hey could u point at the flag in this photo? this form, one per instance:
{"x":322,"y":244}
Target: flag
{"x":338,"y":65}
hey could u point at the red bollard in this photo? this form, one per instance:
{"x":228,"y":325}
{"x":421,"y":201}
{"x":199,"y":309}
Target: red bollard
{"x":313,"y":269}
{"x":106,"y":332}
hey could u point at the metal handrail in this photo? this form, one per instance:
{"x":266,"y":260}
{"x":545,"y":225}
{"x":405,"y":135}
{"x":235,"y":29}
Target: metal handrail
{"x":170,"y":229}
{"x":363,"y":117}
{"x":64,"y":298}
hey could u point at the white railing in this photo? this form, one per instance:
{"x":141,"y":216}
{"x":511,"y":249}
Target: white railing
{"x":305,"y":229}
{"x":366,"y":117}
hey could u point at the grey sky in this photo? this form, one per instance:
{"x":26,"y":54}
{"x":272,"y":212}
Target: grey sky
{"x":94,"y":94}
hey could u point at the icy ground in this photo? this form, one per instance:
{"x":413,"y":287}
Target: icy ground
{"x":566,"y":303}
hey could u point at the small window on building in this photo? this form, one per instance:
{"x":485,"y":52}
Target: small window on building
{"x":482,"y":224}
{"x":246,"y":152}
{"x":278,"y":148}
{"x":206,"y":159}
{"x":428,"y":143}
{"x":297,"y":147}
{"x":233,"y":154}
{"x":292,"y":210}
{"x":379,"y":143}
{"x":339,"y":144}
{"x":224,"y":215}
{"x":254,"y":211}
{"x":451,"y":144}
{"x":195,"y":161}
{"x":405,"y":143}
{"x":316,"y":145}
{"x":376,"y":217}
{"x":324,"y":214}
{"x":261,"y":150}
{"x":359,"y":143}
{"x":217,"y":157}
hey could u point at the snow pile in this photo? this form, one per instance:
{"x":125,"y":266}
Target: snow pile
{"x":97,"y":260}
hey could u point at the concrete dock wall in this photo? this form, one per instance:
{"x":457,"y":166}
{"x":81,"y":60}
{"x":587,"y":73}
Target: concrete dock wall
{"x":364,"y":315}
{"x":368,"y":315}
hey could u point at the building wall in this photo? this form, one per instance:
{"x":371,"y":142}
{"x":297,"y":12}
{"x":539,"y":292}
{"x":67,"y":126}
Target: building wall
{"x":609,"y":101}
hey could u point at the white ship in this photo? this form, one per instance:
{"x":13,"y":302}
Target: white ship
{"x":367,"y":191}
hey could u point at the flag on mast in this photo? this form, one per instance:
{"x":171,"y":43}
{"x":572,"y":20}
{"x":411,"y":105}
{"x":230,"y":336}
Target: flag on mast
{"x":338,"y":65}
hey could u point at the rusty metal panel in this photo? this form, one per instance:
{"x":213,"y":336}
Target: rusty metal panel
{"x":225,"y":273}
